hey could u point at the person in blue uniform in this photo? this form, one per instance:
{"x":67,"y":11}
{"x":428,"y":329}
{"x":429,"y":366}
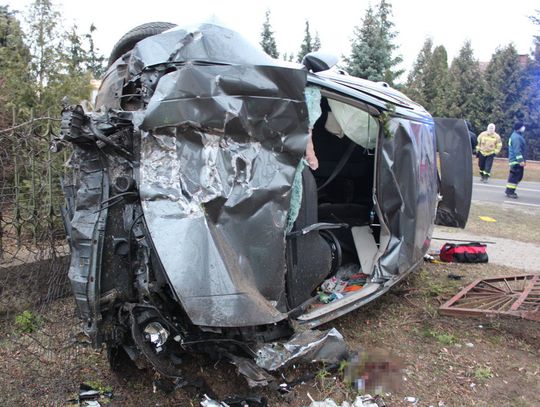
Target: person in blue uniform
{"x":516,"y":159}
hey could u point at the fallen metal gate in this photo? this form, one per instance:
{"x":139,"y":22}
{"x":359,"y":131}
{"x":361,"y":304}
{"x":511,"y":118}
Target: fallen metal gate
{"x":516,"y":296}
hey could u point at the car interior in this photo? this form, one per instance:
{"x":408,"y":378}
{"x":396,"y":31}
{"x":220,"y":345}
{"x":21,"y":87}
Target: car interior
{"x":338,"y":194}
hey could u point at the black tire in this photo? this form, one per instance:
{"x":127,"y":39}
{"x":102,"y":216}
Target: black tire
{"x":132,"y":37}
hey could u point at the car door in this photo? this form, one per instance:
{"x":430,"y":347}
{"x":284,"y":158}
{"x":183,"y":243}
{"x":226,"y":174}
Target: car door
{"x":455,"y":172}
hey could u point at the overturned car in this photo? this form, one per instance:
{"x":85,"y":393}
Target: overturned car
{"x":194,"y":220}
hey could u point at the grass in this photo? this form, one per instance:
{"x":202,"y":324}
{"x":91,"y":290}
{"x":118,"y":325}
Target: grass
{"x":444,"y":338}
{"x":27,"y":322}
{"x":521,"y":224}
{"x":322,"y":374}
{"x":483,"y":373}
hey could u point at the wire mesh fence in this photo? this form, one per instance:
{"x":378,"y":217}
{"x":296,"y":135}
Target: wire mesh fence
{"x":38,"y":323}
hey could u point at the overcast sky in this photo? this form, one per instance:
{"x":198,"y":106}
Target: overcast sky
{"x":487,"y":23}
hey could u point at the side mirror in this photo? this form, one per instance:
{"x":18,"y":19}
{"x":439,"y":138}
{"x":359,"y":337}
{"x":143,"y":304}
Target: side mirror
{"x":318,"y":61}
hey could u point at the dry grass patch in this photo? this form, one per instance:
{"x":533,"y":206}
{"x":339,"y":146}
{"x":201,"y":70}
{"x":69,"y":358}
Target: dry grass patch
{"x":522,"y":224}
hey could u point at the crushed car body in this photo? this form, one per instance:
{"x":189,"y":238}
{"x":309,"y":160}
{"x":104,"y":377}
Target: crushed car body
{"x":193,"y":219}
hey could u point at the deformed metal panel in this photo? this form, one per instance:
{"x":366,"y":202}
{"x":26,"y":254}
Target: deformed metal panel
{"x":220,"y":146}
{"x":454,"y":147}
{"x":309,"y":346}
{"x":85,"y":218}
{"x":406,"y":192}
{"x":206,"y":42}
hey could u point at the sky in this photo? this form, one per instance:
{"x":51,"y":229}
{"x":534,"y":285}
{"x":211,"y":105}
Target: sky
{"x":486,"y":23}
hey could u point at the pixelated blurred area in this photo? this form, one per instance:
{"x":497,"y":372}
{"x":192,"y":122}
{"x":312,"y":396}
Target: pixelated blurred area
{"x":374,"y":371}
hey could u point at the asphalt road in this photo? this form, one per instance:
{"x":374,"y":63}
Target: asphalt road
{"x":528,"y":192}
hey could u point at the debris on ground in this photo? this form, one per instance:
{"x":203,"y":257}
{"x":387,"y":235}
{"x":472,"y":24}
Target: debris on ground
{"x":246,"y":401}
{"x":254,"y":374}
{"x":348,"y":270}
{"x":208,"y":402}
{"x":307,"y":346}
{"x":90,"y":395}
{"x":411,"y":400}
{"x":333,"y":285}
{"x":286,"y":388}
{"x":487,"y":219}
{"x":360,"y":401}
{"x":432,"y":258}
{"x":236,"y":401}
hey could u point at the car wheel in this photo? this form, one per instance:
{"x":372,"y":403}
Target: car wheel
{"x":132,"y":37}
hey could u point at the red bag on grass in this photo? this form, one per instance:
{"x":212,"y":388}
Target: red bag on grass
{"x":472,"y":252}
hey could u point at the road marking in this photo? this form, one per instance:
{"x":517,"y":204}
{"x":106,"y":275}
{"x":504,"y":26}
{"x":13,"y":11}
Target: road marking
{"x":504,"y":186}
{"x":520,"y":203}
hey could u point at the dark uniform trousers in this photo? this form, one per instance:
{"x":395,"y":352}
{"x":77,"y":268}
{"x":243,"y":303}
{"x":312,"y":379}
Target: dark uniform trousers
{"x":515,"y":176}
{"x":485,"y":162}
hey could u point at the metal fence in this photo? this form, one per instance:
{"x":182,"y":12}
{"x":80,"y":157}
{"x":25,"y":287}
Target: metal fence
{"x":38,"y":326}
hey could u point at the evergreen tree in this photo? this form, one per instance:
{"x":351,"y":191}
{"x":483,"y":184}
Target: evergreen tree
{"x":39,"y":68}
{"x":288,"y":57}
{"x":536,"y":20}
{"x":268,"y":42}
{"x":76,"y":55}
{"x":428,"y":80}
{"x":366,"y":54}
{"x":372,"y":46}
{"x":437,"y":82}
{"x":416,"y":80}
{"x":15,"y":80}
{"x":74,"y":79}
{"x":316,"y":42}
{"x":530,"y":96}
{"x":45,"y":43}
{"x":95,"y":61}
{"x":388,"y":35}
{"x":466,"y":88}
{"x":503,"y":78}
{"x":58,"y":69}
{"x":307,"y":44}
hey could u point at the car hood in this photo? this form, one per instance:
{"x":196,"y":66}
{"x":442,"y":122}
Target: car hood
{"x":219,"y":150}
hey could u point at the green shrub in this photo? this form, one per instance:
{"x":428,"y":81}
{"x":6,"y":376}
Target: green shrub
{"x":27,"y":322}
{"x":483,"y":373}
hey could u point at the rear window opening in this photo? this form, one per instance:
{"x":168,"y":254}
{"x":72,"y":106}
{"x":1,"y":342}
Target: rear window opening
{"x":334,"y":263}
